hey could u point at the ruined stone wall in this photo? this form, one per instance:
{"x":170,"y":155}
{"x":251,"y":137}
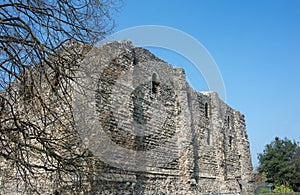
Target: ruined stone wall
{"x":160,"y":135}
{"x":209,"y":137}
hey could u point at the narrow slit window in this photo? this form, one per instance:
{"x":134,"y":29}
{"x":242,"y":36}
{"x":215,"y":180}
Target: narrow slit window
{"x":206,"y":110}
{"x":228,"y":121}
{"x":208,"y":137}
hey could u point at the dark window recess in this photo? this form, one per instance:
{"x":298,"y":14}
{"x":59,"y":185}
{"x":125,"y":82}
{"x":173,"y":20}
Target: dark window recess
{"x":155,"y":83}
{"x":26,"y":91}
{"x":206,"y":110}
{"x":228,"y":121}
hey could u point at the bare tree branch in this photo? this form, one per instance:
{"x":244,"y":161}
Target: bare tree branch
{"x":41,"y":44}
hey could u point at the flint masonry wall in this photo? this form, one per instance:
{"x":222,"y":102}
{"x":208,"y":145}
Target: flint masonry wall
{"x":176,"y":140}
{"x":208,"y":137}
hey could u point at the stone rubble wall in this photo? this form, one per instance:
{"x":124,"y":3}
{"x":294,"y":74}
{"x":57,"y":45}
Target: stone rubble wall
{"x":206,"y":139}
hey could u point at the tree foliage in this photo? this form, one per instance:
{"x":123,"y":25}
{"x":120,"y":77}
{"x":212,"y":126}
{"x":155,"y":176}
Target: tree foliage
{"x":280,"y":162}
{"x":282,"y":188}
{"x":41,"y":44}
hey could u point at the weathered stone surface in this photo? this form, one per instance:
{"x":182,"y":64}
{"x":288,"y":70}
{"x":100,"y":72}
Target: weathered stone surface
{"x":161,"y":136}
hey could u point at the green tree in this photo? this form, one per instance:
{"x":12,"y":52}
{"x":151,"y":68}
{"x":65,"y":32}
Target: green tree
{"x":282,"y":188}
{"x":280,"y":162}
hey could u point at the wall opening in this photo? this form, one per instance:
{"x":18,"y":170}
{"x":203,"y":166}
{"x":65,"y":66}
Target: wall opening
{"x":206,"y":110}
{"x":155,"y":84}
{"x":228,"y":121}
{"x":27,"y":90}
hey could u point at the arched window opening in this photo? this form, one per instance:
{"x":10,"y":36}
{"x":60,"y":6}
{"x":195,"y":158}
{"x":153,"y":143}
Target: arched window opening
{"x":206,"y":110}
{"x":155,"y":84}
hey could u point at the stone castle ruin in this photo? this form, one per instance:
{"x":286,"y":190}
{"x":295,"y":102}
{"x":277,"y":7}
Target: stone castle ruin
{"x":155,"y":134}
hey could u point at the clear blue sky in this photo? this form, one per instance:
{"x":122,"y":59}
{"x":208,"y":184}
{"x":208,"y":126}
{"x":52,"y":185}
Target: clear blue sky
{"x":256,"y":45}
